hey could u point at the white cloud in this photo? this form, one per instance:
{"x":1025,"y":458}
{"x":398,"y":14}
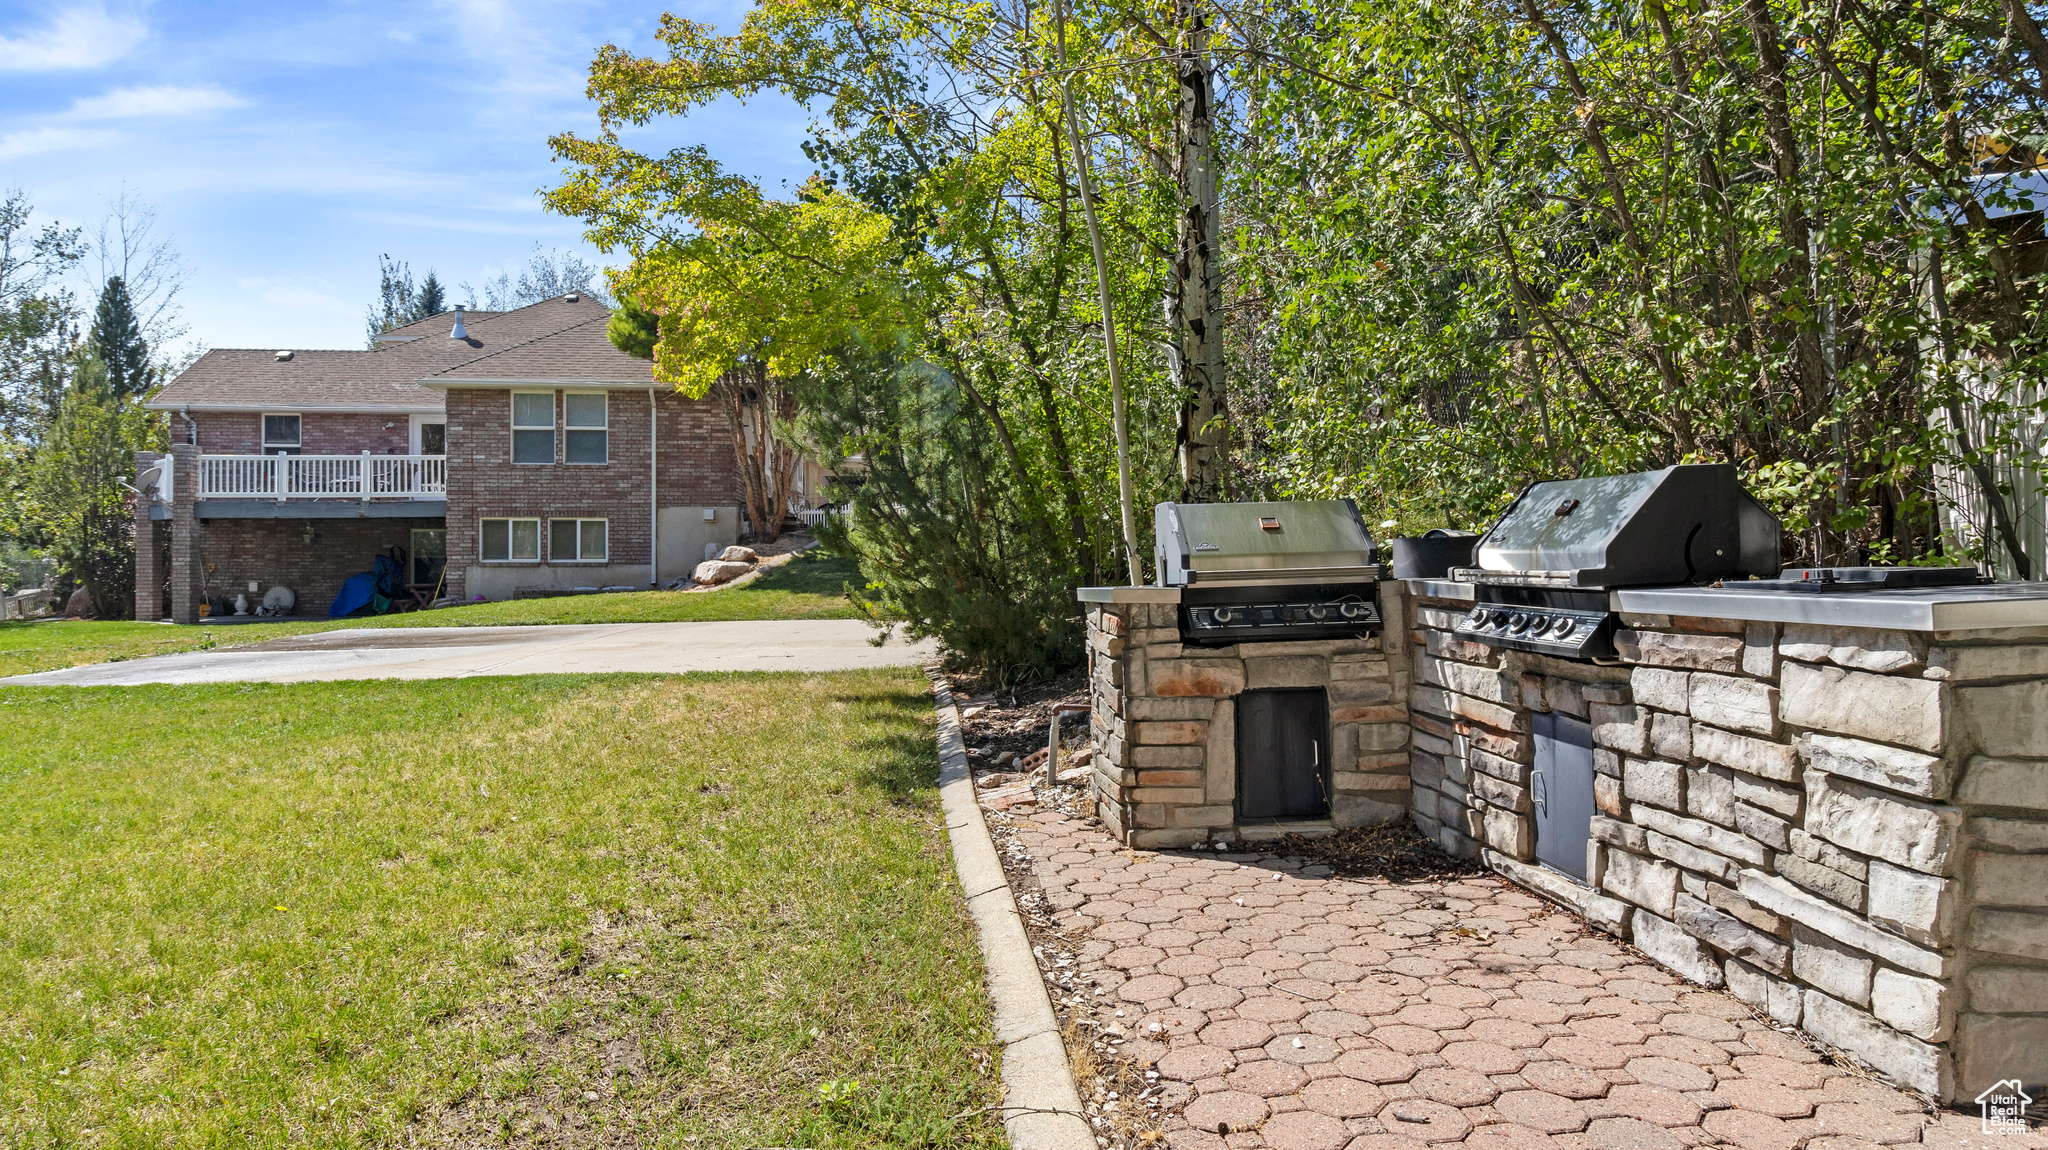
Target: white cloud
{"x":82,"y":36}
{"x":162,"y":100}
{"x":38,"y":141}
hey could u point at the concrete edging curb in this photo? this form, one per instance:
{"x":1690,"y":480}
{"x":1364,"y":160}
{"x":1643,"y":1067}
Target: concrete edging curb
{"x":1041,"y":1104}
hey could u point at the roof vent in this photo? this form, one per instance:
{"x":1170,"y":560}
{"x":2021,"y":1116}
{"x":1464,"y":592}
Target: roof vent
{"x":574,"y":297}
{"x":284,"y":357}
{"x":460,"y":331}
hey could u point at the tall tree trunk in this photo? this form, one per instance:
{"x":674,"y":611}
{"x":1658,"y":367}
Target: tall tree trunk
{"x":767,"y":466}
{"x":1197,"y":304}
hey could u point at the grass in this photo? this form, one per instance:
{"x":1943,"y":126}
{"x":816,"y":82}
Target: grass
{"x":703,"y":911}
{"x":808,"y":587}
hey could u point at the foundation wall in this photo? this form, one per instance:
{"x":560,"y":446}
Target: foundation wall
{"x":1846,"y":827}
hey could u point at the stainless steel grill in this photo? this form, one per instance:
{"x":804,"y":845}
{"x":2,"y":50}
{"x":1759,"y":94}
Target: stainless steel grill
{"x":1253,"y":572}
{"x":1545,"y":567}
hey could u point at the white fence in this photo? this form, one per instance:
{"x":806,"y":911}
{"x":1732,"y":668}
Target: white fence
{"x":2017,"y":450}
{"x":362,"y":476}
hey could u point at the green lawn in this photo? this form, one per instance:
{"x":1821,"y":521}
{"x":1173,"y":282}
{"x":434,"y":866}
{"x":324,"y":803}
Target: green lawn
{"x":702,"y":911}
{"x":809,"y":587}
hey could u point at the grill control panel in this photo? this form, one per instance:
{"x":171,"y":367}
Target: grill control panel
{"x":1571,"y":634}
{"x":1302,"y":619}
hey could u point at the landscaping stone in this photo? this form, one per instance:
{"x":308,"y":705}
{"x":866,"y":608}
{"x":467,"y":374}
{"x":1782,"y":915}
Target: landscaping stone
{"x":1735,"y":703}
{"x":1861,"y":649}
{"x":1881,"y":708}
{"x":1893,"y":768}
{"x":1919,"y":906}
{"x":1759,"y":757}
{"x":1911,"y":834}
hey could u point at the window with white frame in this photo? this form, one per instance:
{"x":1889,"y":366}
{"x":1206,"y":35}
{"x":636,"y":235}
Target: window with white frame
{"x":578,"y":541}
{"x":508,"y":540}
{"x":585,"y":428}
{"x":533,"y":427}
{"x":280,"y":435}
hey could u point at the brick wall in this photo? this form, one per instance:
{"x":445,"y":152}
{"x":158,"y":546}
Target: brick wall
{"x":320,"y":433}
{"x":274,"y":552}
{"x":696,"y":470}
{"x":1849,"y":828}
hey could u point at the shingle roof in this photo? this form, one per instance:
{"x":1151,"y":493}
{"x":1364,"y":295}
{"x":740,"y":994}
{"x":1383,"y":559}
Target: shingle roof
{"x":385,"y":379}
{"x":579,"y":354}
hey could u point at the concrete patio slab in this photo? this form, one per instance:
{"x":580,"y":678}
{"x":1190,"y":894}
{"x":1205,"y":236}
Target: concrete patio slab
{"x":463,"y":652}
{"x":1266,"y":1003}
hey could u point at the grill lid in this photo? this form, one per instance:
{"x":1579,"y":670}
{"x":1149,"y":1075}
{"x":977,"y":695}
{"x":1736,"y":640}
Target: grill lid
{"x":1310,"y":541}
{"x":1686,"y":524}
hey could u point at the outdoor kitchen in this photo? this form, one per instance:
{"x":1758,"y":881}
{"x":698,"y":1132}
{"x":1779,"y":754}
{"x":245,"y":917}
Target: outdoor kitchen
{"x":1826,"y":790}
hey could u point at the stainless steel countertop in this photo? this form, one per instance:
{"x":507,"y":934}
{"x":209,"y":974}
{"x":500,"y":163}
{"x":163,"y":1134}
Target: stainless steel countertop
{"x":1998,"y":605}
{"x":1128,"y":594}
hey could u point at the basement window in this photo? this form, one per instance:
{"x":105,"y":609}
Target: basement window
{"x":508,"y":540}
{"x":578,"y":540}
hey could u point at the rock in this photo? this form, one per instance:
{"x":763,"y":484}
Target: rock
{"x":1862,"y":649}
{"x":1500,"y":792}
{"x":1628,"y":836}
{"x":719,"y":571}
{"x":1073,"y":775}
{"x":1665,"y":942}
{"x":1911,"y":834}
{"x":2008,"y":880}
{"x":1918,"y":1006}
{"x":1181,"y":678}
{"x":1729,"y":935}
{"x":2008,"y":989}
{"x":1671,"y":736}
{"x":1662,"y":689}
{"x":1752,"y":756}
{"x":2020,"y":835}
{"x":1003,"y":798}
{"x":1779,"y":999}
{"x":2018,"y":933}
{"x":1919,"y":906}
{"x":1993,"y":782}
{"x":2007,"y":720}
{"x":79,"y":606}
{"x":1692,"y":652}
{"x":1962,"y":664}
{"x":1289,"y":671}
{"x":1886,"y":708}
{"x":1819,"y":961}
{"x":1777,"y":798}
{"x":1893,"y":768}
{"x":1760,"y":651}
{"x":1993,"y":1049}
{"x":738,"y":554}
{"x":1509,"y":833}
{"x":1763,"y":826}
{"x":1649,"y":781}
{"x":1690,"y":857}
{"x":1647,"y":883}
{"x":1701,"y":834}
{"x":1828,"y":855}
{"x":1905,"y":1059}
{"x":1625,"y":729}
{"x":1710,"y":794}
{"x":1824,"y":881}
{"x":1738,"y":704}
{"x":1775,"y":894}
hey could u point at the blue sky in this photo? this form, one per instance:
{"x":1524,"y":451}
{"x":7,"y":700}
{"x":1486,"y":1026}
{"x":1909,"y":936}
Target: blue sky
{"x":285,"y":145}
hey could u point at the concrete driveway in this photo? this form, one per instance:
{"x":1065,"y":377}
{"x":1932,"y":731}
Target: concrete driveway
{"x":462,"y":652}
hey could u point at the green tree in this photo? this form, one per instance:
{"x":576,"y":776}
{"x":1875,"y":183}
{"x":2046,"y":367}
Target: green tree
{"x":117,"y":343}
{"x":77,"y":510}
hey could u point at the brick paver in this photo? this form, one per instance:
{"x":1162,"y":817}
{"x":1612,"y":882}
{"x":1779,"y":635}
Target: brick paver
{"x":1269,"y":1004}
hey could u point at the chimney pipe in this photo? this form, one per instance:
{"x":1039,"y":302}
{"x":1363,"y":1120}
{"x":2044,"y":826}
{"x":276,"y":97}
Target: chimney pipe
{"x":460,"y":331}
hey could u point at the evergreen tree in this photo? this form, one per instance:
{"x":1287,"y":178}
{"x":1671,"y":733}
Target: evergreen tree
{"x":117,"y":342}
{"x":433,"y":298}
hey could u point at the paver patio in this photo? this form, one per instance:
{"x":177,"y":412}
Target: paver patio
{"x":1279,"y":1006}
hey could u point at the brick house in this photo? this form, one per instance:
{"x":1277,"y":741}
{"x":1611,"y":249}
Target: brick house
{"x":503,"y":452}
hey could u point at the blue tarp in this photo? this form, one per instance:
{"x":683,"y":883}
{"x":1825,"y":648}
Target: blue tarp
{"x":356,"y":592}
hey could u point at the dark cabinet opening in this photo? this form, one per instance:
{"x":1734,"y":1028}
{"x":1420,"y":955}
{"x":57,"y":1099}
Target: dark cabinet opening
{"x":1283,"y":756}
{"x":1561,"y":787}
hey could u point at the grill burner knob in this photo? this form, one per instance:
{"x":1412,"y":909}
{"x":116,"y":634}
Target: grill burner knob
{"x":1224,"y":615}
{"x":1518,"y":621}
{"x":1563,"y":627}
{"x":1319,"y":612}
{"x":1351,"y":610}
{"x":1500,"y":619}
{"x":1477,"y":618}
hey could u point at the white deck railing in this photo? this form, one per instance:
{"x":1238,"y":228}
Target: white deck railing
{"x":362,"y":476}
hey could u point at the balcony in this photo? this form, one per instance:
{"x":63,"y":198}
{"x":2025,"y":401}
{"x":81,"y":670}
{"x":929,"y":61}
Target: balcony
{"x":321,"y":486}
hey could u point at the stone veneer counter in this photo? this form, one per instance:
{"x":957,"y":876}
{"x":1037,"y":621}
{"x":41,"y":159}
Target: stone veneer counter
{"x":1834,"y":804}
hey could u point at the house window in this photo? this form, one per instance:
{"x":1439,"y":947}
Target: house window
{"x":577,"y":541}
{"x":533,"y":427}
{"x":584,"y":420}
{"x":429,"y":435}
{"x":509,"y":540}
{"x":280,"y":435}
